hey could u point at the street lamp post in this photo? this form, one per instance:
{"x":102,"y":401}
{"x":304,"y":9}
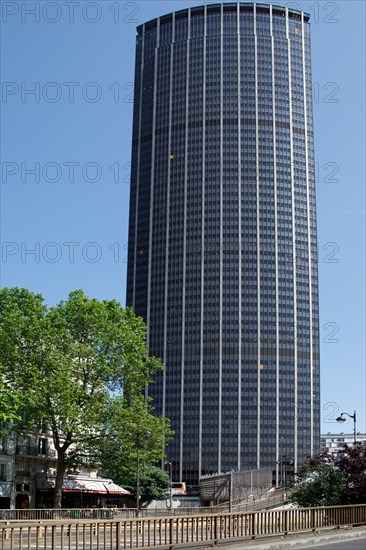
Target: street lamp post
{"x":231,"y":492}
{"x":138,"y":447}
{"x":280,"y":461}
{"x":279,"y":464}
{"x":138,"y":481}
{"x":169,"y":462}
{"x":285,"y":461}
{"x":342,"y":419}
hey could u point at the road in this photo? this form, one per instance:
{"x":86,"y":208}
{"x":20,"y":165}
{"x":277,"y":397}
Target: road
{"x":358,"y":544}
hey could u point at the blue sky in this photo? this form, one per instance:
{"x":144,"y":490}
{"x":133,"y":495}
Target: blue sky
{"x":65,"y":157}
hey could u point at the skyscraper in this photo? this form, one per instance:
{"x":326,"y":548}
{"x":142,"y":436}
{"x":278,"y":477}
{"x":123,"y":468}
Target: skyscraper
{"x":222,"y":259}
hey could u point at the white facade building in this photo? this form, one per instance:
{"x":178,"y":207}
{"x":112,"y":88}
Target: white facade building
{"x":27,"y":476}
{"x":7,"y":468}
{"x":332,"y":443}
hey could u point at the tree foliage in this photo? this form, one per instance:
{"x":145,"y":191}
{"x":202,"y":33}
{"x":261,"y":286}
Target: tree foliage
{"x":21,"y":314}
{"x":352,"y":463}
{"x":325,"y":481}
{"x":154,"y":484}
{"x":319,"y":486}
{"x":71,"y":367}
{"x":136,"y":437}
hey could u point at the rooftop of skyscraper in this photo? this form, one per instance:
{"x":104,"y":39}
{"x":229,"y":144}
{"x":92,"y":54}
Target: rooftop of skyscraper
{"x":279,"y":11}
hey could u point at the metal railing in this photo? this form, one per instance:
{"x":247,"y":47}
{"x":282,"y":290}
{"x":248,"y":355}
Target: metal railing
{"x":24,"y":473}
{"x":257,"y":502}
{"x":40,"y":514}
{"x":172,"y":531}
{"x":5,"y":450}
{"x":100,"y":513}
{"x":35,"y":451}
{"x":251,"y":505}
{"x":129,"y":513}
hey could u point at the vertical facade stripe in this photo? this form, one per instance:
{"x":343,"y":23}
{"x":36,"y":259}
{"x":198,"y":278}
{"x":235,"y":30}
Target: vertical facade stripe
{"x":221,"y":226}
{"x":278,"y":435}
{"x":294,"y":259}
{"x":181,"y":446}
{"x":167,"y":244}
{"x":152,"y":191}
{"x":258,"y":246}
{"x":138,"y":173}
{"x":239,"y":242}
{"x":202,"y":241}
{"x":310,"y":259}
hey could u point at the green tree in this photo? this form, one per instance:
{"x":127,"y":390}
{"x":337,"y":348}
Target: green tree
{"x":10,"y":403}
{"x":325,"y":481}
{"x":322,"y":485}
{"x":137,"y":440}
{"x":19,"y":332}
{"x":70,"y":364}
{"x":154,"y":484}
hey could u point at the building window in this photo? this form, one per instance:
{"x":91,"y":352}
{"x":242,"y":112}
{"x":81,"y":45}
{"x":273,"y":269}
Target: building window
{"x":2,"y":445}
{"x":42,"y":445}
{"x":2,"y":472}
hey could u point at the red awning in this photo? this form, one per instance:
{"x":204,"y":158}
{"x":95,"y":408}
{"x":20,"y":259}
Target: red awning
{"x":83,"y":484}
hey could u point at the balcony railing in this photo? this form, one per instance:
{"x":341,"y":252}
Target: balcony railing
{"x":35,"y":451}
{"x":4,"y":450}
{"x":23,"y":473}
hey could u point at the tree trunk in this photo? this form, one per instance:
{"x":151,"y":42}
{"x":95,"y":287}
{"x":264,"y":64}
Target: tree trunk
{"x":57,"y":495}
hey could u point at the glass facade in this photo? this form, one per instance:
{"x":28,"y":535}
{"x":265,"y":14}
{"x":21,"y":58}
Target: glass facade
{"x":222,"y":256}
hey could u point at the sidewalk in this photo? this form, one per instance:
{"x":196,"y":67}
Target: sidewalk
{"x":298,"y":540}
